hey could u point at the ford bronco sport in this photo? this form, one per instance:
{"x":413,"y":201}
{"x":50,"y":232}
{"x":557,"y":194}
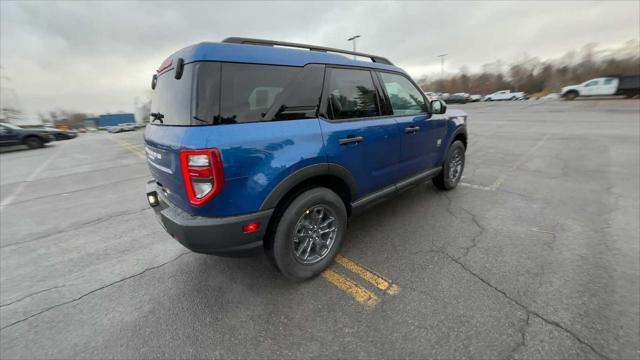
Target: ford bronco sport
{"x":259,"y":145}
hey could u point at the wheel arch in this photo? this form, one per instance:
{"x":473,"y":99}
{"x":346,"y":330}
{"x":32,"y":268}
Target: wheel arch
{"x":332,"y":176}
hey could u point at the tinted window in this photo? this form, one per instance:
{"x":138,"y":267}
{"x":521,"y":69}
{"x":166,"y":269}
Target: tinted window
{"x":405,"y":98}
{"x":592,"y":83}
{"x":172,"y":98}
{"x":351,"y":94}
{"x":265,"y":92}
{"x":207,"y":98}
{"x":608,"y":81}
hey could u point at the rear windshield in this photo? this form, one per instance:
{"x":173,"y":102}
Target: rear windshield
{"x":212,"y":93}
{"x":171,"y":98}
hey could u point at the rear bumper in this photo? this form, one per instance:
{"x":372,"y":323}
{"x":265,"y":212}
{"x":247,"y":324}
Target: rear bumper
{"x":218,"y":236}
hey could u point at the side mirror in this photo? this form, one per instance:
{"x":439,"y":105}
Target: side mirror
{"x":438,"y":107}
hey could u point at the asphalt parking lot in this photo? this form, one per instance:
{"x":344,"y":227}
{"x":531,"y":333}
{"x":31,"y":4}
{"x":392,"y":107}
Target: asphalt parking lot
{"x":535,"y":256}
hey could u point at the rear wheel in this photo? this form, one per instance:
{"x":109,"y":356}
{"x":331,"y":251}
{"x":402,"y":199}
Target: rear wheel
{"x":452,"y":168}
{"x":309,"y":234}
{"x":33,"y":142}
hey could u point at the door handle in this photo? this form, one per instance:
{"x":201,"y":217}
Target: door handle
{"x":412,"y":130}
{"x":351,"y":140}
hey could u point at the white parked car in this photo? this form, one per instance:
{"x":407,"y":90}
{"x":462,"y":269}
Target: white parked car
{"x":506,"y":95}
{"x":475,"y":98}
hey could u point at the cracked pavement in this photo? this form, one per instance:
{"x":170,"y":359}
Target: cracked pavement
{"x":537,"y":257}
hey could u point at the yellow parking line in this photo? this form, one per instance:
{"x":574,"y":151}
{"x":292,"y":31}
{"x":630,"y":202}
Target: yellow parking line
{"x":360,"y":294}
{"x":370,"y":276}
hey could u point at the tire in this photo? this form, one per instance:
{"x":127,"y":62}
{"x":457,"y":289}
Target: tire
{"x":449,"y":177}
{"x":571,"y":95}
{"x":33,"y":142}
{"x":299,"y":217}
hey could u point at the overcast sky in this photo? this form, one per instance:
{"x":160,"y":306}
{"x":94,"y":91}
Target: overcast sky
{"x":98,"y":57}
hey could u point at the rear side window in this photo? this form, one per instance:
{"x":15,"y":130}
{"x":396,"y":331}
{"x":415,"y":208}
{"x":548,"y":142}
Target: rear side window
{"x":172,"y":97}
{"x":404,"y":97}
{"x":351,"y":94}
{"x":252,"y":93}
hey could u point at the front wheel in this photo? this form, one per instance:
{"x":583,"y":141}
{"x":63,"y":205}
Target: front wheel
{"x":452,"y":168}
{"x":309,"y":234}
{"x":33,"y":142}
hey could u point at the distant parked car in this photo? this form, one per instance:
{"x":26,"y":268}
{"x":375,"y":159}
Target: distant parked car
{"x":432,"y":95}
{"x":121,"y":128}
{"x":59,"y":134}
{"x":475,"y":98}
{"x":15,"y":135}
{"x":506,"y":95}
{"x":629,"y":86}
{"x":459,"y":98}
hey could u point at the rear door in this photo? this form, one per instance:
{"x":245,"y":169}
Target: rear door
{"x":356,"y":135}
{"x":421,"y":132}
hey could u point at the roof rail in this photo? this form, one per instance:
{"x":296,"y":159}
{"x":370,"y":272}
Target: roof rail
{"x":248,"y":41}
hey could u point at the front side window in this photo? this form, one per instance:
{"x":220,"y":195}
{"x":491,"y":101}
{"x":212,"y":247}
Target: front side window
{"x":351,"y":94}
{"x":404,"y":97}
{"x":592,"y":83}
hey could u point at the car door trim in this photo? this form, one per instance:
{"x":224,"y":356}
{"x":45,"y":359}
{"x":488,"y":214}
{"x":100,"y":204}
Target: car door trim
{"x":389,"y":191}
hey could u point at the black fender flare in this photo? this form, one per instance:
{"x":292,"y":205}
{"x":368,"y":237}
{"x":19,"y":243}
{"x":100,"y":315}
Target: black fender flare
{"x":459,"y":130}
{"x":305,"y":173}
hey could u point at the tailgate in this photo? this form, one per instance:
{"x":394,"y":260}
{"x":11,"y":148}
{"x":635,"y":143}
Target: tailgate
{"x":162,"y":147}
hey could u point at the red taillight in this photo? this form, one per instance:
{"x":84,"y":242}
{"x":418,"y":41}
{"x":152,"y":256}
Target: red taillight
{"x":202,"y":174}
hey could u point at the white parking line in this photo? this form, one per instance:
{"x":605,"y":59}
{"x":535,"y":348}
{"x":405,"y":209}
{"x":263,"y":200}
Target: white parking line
{"x":9,"y":199}
{"x":496,"y":184}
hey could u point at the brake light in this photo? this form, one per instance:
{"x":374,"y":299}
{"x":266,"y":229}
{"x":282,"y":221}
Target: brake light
{"x":202,"y":174}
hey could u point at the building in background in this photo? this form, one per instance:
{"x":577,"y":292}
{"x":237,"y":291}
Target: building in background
{"x":110,"y":120}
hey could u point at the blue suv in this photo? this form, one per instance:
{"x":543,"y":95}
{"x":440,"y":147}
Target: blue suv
{"x":259,"y":145}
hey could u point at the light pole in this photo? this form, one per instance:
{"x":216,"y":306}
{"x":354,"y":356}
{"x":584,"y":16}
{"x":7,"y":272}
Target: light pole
{"x":441,"y":56}
{"x":353,"y":38}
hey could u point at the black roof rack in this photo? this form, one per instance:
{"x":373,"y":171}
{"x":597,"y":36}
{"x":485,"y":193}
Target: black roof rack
{"x":248,"y":41}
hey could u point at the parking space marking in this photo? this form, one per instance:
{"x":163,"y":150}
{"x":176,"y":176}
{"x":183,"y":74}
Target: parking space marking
{"x":368,"y":275}
{"x":478,"y":187}
{"x":520,"y":161}
{"x":496,"y":184}
{"x":359,"y":293}
{"x":9,"y":199}
{"x":129,"y":147}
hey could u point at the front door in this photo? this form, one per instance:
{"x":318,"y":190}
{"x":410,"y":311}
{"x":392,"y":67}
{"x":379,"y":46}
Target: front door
{"x":356,"y":136}
{"x":422,"y":133}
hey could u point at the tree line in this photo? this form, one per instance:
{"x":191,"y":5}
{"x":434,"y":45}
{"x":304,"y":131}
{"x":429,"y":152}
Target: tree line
{"x":535,"y":76}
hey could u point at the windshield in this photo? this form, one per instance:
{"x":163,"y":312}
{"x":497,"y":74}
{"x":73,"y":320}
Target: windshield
{"x":11,"y":126}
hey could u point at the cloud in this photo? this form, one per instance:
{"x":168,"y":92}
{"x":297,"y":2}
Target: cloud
{"x":98,"y":56}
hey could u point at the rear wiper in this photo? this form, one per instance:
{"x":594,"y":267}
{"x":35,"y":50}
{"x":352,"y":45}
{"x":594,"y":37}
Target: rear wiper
{"x":157,"y":116}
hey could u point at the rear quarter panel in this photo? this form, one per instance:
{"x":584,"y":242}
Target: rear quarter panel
{"x":255,"y":157}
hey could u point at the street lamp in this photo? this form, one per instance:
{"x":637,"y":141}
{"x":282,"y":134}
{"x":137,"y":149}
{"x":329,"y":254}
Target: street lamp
{"x":441,"y":56}
{"x":353,"y":38}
